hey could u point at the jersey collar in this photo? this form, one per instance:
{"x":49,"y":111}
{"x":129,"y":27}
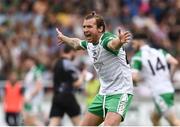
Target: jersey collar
{"x":100,"y":39}
{"x":145,"y":47}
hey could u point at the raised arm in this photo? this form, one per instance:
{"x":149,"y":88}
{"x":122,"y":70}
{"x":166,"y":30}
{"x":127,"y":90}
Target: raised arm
{"x":73,"y":42}
{"x":123,"y":38}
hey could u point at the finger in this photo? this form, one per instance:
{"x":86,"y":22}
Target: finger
{"x":128,"y":39}
{"x":128,"y":35}
{"x":57,"y":30}
{"x":59,"y":43}
{"x":119,"y":31}
{"x":127,"y":32}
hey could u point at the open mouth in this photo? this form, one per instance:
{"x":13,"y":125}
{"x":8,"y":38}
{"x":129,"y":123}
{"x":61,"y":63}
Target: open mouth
{"x":88,"y":35}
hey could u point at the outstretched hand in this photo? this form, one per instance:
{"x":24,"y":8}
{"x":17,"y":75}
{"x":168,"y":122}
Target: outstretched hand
{"x":124,"y":37}
{"x":59,"y":36}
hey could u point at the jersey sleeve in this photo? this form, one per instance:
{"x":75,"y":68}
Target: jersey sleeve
{"x":106,"y":39}
{"x":83,"y":44}
{"x":136,"y":62}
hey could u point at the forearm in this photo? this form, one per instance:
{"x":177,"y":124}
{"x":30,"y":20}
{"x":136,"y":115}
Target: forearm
{"x":172,"y":70}
{"x":115,"y":44}
{"x":73,"y":42}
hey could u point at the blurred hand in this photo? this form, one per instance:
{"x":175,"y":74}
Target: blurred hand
{"x":124,"y":37}
{"x":59,"y":36}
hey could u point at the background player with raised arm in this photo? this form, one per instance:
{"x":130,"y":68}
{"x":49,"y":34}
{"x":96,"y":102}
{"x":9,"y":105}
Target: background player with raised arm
{"x":150,"y":67}
{"x":109,"y":59}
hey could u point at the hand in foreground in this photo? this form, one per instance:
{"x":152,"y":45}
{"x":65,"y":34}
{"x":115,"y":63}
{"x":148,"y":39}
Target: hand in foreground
{"x":124,"y":37}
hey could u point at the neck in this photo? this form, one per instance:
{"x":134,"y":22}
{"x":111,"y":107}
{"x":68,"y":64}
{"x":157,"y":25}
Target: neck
{"x":98,"y":38}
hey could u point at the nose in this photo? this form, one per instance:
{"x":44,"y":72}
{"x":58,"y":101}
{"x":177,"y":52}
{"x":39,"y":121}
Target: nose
{"x":85,"y":29}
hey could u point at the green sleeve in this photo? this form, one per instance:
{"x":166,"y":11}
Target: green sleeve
{"x":83,"y":44}
{"x":136,"y":62}
{"x":106,"y":39}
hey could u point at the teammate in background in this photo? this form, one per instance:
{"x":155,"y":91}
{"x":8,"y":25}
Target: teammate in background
{"x":109,"y":58}
{"x":150,"y":67}
{"x":33,"y":92}
{"x":66,"y":79}
{"x":13,"y":100}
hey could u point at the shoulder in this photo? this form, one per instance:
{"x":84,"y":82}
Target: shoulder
{"x":84,"y":44}
{"x":164,"y":52}
{"x":107,"y":36}
{"x":105,"y":39}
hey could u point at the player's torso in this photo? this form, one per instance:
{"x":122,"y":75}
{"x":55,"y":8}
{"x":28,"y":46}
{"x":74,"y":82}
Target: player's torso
{"x":155,"y":70}
{"x":113,"y":70}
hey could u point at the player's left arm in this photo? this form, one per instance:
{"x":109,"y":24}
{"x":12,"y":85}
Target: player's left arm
{"x":122,"y":38}
{"x":173,"y":63}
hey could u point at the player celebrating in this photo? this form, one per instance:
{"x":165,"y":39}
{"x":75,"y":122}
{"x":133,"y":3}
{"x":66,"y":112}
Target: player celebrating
{"x":150,"y":67}
{"x":109,"y":59}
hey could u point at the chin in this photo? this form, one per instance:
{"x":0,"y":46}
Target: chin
{"x":89,"y":40}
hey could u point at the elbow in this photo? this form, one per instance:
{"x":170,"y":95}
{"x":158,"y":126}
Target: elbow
{"x":175,"y":63}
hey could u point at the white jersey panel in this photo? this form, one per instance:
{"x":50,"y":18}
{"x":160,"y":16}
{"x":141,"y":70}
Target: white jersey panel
{"x":155,"y":70}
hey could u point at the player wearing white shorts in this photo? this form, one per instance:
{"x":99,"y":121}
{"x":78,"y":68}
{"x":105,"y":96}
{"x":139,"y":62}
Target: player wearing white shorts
{"x":150,"y":67}
{"x":109,"y":60}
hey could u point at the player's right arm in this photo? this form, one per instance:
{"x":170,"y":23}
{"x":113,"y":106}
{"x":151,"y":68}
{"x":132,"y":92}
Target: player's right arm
{"x":73,"y":42}
{"x":136,"y":65}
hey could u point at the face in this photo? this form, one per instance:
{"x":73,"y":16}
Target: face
{"x":13,"y":77}
{"x":28,"y":63}
{"x":91,"y":32}
{"x":135,"y":44}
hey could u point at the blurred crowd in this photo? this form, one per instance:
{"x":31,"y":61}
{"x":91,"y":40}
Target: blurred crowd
{"x":28,"y":27}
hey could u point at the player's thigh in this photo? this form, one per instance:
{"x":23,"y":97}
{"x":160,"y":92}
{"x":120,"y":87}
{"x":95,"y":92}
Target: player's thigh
{"x":119,"y":104}
{"x":112,"y":119}
{"x":91,"y":119}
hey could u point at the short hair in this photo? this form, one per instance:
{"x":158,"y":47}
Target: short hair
{"x":68,"y":49}
{"x":99,"y":20}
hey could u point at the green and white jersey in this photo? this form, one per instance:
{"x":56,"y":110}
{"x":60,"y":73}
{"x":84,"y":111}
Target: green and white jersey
{"x":30,"y":78}
{"x":112,"y":68}
{"x":153,"y":67}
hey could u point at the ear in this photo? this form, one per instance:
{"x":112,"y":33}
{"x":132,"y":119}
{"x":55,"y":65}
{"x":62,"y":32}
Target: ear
{"x":100,"y":30}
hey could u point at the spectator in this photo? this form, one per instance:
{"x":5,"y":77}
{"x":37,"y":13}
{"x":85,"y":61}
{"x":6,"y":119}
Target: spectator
{"x":13,"y":100}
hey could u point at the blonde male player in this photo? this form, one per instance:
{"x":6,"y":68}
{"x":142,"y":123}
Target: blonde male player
{"x":105,"y":50}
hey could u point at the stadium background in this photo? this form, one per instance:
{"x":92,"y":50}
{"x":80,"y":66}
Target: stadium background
{"x":28,"y":26}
